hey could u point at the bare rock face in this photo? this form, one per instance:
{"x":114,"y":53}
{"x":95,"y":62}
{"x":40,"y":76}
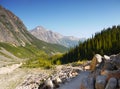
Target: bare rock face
{"x":87,"y":83}
{"x":112,"y":83}
{"x":12,"y":29}
{"x":100,"y":82}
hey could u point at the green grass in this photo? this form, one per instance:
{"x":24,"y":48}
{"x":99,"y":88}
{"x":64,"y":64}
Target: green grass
{"x":23,"y":52}
{"x":37,"y":58}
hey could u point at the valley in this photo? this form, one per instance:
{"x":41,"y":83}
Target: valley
{"x":39,"y":58}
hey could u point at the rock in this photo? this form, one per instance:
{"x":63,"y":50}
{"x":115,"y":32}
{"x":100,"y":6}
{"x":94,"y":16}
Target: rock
{"x":95,"y":73}
{"x":104,"y":72}
{"x":87,"y":83}
{"x":93,"y":64}
{"x":116,"y":61}
{"x":110,"y":74}
{"x":112,"y":56}
{"x":119,"y":83}
{"x":48,"y":84}
{"x":106,"y":57}
{"x":112,"y":84}
{"x":57,"y":82}
{"x":100,"y":82}
{"x":87,"y":67}
{"x":41,"y":86}
{"x":108,"y":66}
{"x":97,"y":59}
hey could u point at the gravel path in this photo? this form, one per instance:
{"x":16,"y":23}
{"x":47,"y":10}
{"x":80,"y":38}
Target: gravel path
{"x":9,"y":69}
{"x":11,"y":80}
{"x":75,"y":83}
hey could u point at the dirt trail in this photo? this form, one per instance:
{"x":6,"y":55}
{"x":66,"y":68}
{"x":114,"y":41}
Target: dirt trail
{"x":9,"y":69}
{"x":75,"y":83}
{"x":13,"y":79}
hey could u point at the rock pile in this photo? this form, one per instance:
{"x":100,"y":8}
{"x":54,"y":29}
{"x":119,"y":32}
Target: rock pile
{"x":59,"y":76}
{"x":105,"y":73}
{"x":32,"y":81}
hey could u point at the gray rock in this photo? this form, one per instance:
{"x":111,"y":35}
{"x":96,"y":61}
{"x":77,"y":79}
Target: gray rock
{"x":110,"y":74}
{"x":112,"y":83}
{"x":95,"y":73}
{"x":116,"y":61}
{"x":100,"y":82}
{"x":108,"y":66}
{"x":87,"y":83}
{"x":119,"y":83}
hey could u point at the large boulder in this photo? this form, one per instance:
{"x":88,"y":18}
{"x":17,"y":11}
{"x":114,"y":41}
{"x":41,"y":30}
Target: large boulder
{"x":108,"y":66}
{"x":116,"y":61}
{"x":110,"y":74}
{"x":87,"y":83}
{"x":112,"y":84}
{"x":106,"y":57}
{"x":95,"y":73}
{"x":100,"y":82}
{"x":97,"y":59}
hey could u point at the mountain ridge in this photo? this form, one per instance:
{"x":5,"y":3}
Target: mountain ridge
{"x":14,"y":35}
{"x":54,"y":37}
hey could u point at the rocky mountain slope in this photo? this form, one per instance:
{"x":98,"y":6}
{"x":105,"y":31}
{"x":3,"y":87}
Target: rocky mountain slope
{"x":14,"y":35}
{"x":53,"y":37}
{"x":12,"y":29}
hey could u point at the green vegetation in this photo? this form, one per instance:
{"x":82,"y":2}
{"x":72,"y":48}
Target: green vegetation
{"x":22,"y":52}
{"x":37,"y":58}
{"x":105,"y":42}
{"x":36,"y":63}
{"x":44,"y":61}
{"x":17,"y":40}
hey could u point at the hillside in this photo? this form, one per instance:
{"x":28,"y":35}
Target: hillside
{"x":53,"y":37}
{"x":105,"y":42}
{"x":15,"y":38}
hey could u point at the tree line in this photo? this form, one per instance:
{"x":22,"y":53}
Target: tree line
{"x":105,"y":42}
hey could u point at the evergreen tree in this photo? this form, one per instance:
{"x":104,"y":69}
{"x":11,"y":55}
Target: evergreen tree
{"x":105,"y":42}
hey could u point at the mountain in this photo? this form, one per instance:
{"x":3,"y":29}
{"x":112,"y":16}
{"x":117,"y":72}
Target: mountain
{"x":15,"y":38}
{"x":12,"y":30}
{"x":53,"y":37}
{"x":106,"y":42}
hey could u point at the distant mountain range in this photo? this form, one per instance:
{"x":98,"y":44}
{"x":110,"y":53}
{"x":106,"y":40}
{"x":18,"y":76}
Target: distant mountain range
{"x":53,"y":37}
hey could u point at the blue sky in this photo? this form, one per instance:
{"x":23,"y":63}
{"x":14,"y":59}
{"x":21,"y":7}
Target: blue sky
{"x":80,"y":18}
